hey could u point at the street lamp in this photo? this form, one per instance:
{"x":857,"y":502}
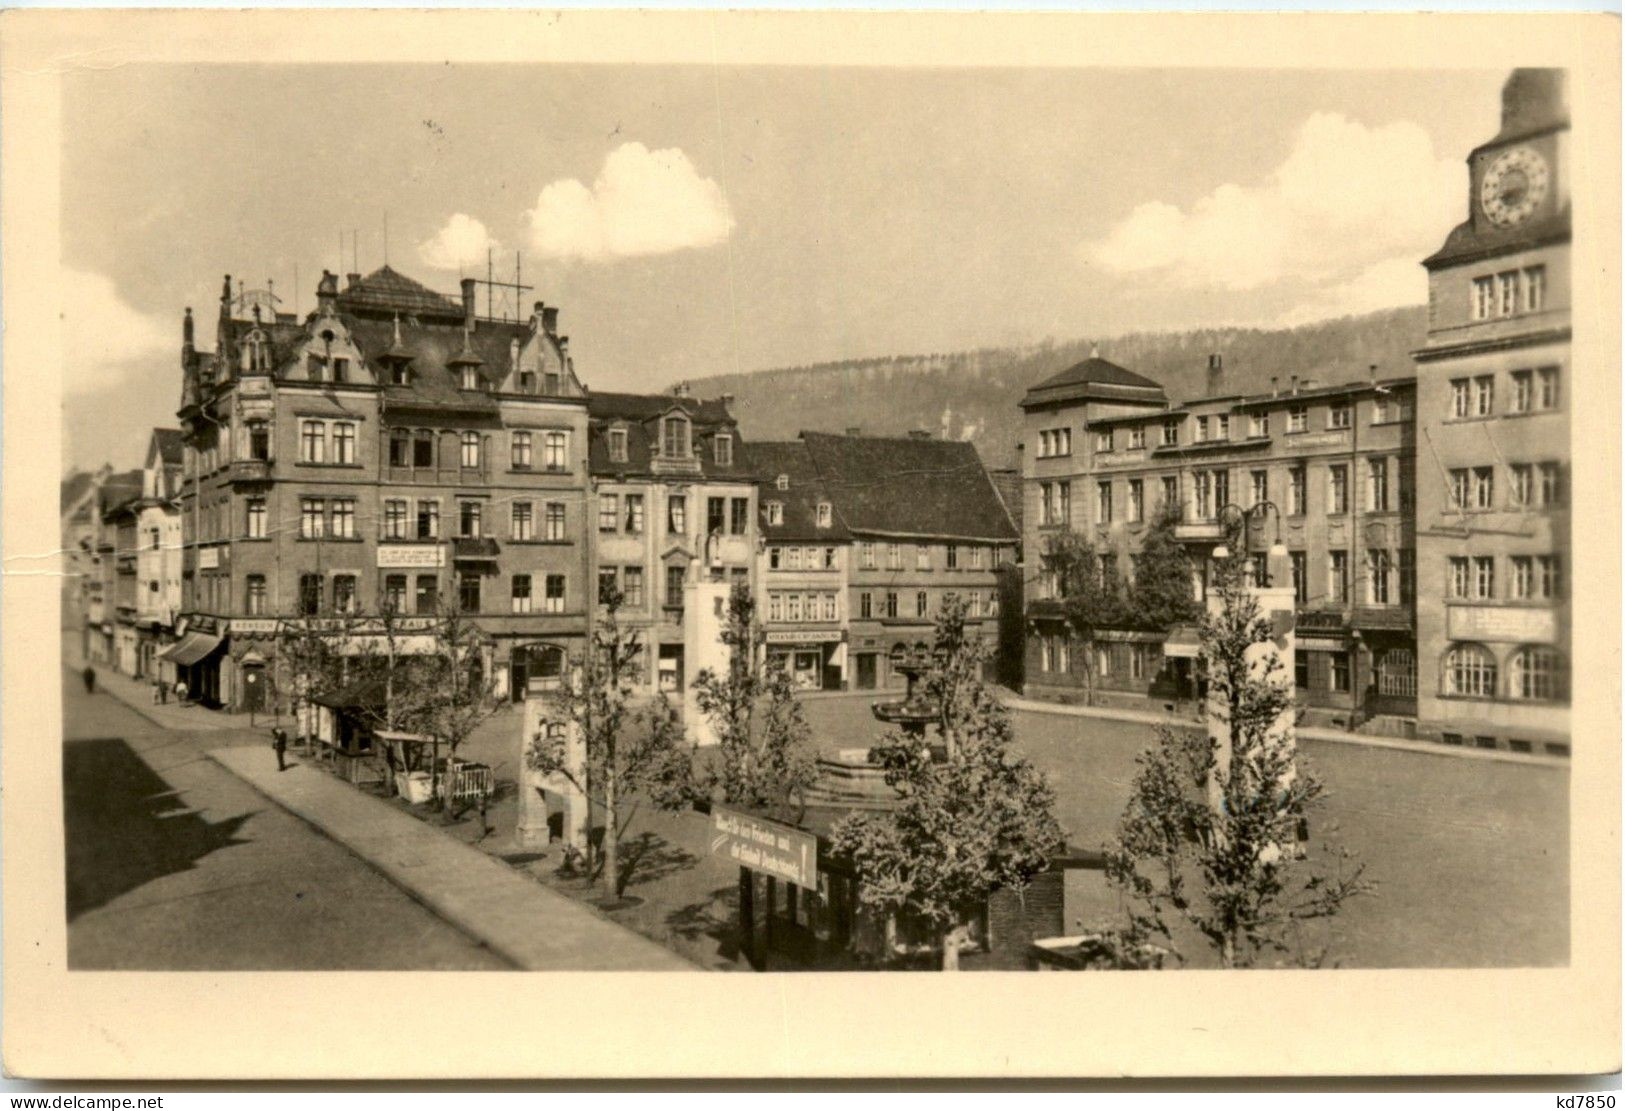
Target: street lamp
{"x":1245,"y":518}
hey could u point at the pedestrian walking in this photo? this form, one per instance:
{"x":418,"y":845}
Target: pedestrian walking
{"x":155,"y":686}
{"x":279,"y":741}
{"x":163,"y":692}
{"x":180,"y":692}
{"x":90,"y":680}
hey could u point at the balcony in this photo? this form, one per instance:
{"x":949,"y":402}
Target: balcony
{"x":249,"y":470}
{"x":473,"y":548}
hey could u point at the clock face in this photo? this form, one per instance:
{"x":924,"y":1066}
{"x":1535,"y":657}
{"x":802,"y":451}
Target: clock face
{"x":1514,"y":185}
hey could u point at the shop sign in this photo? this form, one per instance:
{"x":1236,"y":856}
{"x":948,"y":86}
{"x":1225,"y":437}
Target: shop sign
{"x":208,"y":559}
{"x":1106,"y":462}
{"x":1317,"y":439}
{"x":768,"y":847}
{"x":258,"y":626}
{"x":411,"y":555}
{"x":1502,"y":623}
{"x":804,"y":636}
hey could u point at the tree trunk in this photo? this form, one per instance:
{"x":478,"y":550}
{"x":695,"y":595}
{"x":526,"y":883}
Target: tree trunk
{"x":612,"y":879}
{"x":950,"y":938}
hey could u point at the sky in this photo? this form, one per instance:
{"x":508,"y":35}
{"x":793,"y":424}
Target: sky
{"x":696,"y":220}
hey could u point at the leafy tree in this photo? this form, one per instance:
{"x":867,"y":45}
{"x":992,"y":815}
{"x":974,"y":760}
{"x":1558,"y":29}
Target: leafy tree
{"x":1092,"y":598}
{"x":784,"y":763}
{"x":978,"y":819}
{"x":1163,"y":595}
{"x":1210,"y":832}
{"x":630,"y":751}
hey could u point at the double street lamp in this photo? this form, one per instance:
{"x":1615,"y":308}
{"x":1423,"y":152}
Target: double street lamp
{"x":1245,"y":517}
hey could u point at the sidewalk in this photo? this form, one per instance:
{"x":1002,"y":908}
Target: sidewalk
{"x":518,"y":919}
{"x":137,"y":695}
{"x":1314,"y":733}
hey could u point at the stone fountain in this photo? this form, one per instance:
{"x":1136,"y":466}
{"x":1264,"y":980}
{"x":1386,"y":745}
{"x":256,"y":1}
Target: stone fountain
{"x":846,"y":778}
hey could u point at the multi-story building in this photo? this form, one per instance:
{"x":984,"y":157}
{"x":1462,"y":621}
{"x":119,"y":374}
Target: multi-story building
{"x":674,"y":508}
{"x":1326,"y":471}
{"x":924,"y":521}
{"x":394,"y":450}
{"x":1494,"y":387}
{"x":158,"y":559}
{"x":114,"y":499}
{"x":81,"y":526}
{"x":802,"y":568}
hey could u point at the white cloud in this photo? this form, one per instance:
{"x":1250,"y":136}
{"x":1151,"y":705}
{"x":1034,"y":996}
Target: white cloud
{"x":643,"y":203}
{"x":1382,"y":285}
{"x":1346,"y":197}
{"x":105,"y":338}
{"x":462,"y":242}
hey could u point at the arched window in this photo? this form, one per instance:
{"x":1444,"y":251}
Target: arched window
{"x":899,"y":654}
{"x":1469,"y":669}
{"x":1396,"y":673}
{"x":1538,"y":673}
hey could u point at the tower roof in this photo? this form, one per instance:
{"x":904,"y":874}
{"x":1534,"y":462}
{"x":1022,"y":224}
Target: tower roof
{"x":1096,"y":377}
{"x":389,"y":291}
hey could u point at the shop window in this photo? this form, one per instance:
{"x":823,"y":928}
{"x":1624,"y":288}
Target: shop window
{"x":1470,"y":670}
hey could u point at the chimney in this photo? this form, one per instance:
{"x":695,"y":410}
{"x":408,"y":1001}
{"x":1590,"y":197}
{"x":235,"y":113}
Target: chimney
{"x":1275,"y":385}
{"x":351,"y":281}
{"x":1372,"y":371}
{"x":225,"y":294}
{"x":327,"y":291}
{"x":1294,"y":385}
{"x":680,"y":389}
{"x":727,"y":400}
{"x":186,"y":328}
{"x":1215,"y":374}
{"x":550,"y":318}
{"x":918,"y":434}
{"x":468,"y":302}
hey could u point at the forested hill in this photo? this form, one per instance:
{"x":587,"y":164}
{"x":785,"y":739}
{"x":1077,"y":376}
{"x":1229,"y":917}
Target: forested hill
{"x":974,"y":394}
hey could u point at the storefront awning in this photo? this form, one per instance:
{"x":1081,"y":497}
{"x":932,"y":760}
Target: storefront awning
{"x":192,"y":648}
{"x":1183,"y":643}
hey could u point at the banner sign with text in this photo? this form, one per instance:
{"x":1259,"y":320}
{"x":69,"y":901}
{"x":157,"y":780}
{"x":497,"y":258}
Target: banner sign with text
{"x":768,"y":847}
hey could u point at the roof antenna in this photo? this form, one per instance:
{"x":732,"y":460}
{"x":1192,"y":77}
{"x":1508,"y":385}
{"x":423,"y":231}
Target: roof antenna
{"x":355,"y":261}
{"x":386,"y":237}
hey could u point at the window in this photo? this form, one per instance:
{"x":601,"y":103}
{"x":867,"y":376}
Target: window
{"x":1537,"y":673}
{"x":921,"y":604}
{"x":344,"y":593}
{"x":1170,"y":490}
{"x":1340,"y":415}
{"x":1046,"y":503}
{"x":1551,"y":484}
{"x":775,"y":606}
{"x":1523,"y":577}
{"x":782,"y":482}
{"x":1103,"y":503}
{"x":634,"y":514}
{"x":1483,"y":487}
{"x":677,"y":514}
{"x":394,"y":519}
{"x":922,"y":557}
{"x":556,"y":451}
{"x":617,"y":445}
{"x":553,"y":600}
{"x":1200,"y":435}
{"x":428,"y":520}
{"x":1136,"y":661}
{"x":826,"y":515}
{"x":1546,"y":394}
{"x":674,"y":437}
{"x":1461,"y":398}
{"x":310,"y":595}
{"x":775,"y":557}
{"x":259,"y":440}
{"x":344,"y":518}
{"x":1221,"y":427}
{"x":470,"y":457}
{"x":1534,"y":288}
{"x":715,"y":512}
{"x":829,"y":559}
{"x":609,"y":512}
{"x":1509,"y":286}
{"x":951,"y":557}
{"x":1483,"y":298}
{"x":1338,"y":678}
{"x":1337,"y":489}
{"x":775,"y":513}
{"x":1523,"y":390}
{"x":428,"y":593}
{"x":312,"y":441}
{"x":400,"y":449}
{"x":866,"y":555}
{"x":674,"y":585}
{"x":1300,"y":578}
{"x":1063,"y":492}
{"x":1460,"y":585}
{"x":1258,"y":425}
{"x":1136,"y":437}
{"x":554,"y":521}
{"x":1469,"y":669}
{"x":632,"y":586}
{"x":1103,"y":440}
{"x":522,"y":523}
{"x":894,"y":557}
{"x":976,"y":557}
{"x":1523,"y":484}
{"x":792,"y":559}
{"x":344,"y":442}
{"x":312,"y":518}
{"x":1377,"y":485}
{"x":722,"y":450}
{"x":423,"y":451}
{"x":521,"y":600}
{"x":254,"y":601}
{"x":1550,"y":580}
{"x":256,"y":518}
{"x":1483,"y":577}
{"x":973,"y":604}
{"x":1203,"y":503}
{"x":739,"y":518}
{"x":1136,"y":500}
{"x":469,"y":514}
{"x":1460,"y":489}
{"x":1297,"y":418}
{"x":866,"y":604}
{"x":470,"y":378}
{"x":521,"y":451}
{"x":1377,"y":577}
{"x":394,"y":600}
{"x":468,"y":592}
{"x":1260,"y":488}
{"x":1337,"y":576}
{"x":891,"y":603}
{"x":1483,"y":395}
{"x":1170,"y":433}
{"x":1407,"y":576}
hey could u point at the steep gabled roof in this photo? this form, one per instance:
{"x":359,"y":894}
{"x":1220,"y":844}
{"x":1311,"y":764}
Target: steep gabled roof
{"x":389,"y":291}
{"x":169,"y":443}
{"x":800,"y":501}
{"x":647,"y":406}
{"x":909,"y":487}
{"x":639,"y":414}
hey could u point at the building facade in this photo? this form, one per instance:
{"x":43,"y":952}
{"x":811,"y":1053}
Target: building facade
{"x":1494,"y":386}
{"x":1325,"y":472}
{"x":392,"y":450}
{"x":159,"y":542}
{"x":114,"y":503}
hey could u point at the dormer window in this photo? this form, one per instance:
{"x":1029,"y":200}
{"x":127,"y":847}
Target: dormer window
{"x":617,"y":445}
{"x":775,"y":513}
{"x":783,"y":482}
{"x":341,"y":370}
{"x":398,"y":375}
{"x":550,"y":383}
{"x":826,"y":515}
{"x":722,"y":450}
{"x":471,"y":378}
{"x":674,"y":437}
{"x":527,"y":381}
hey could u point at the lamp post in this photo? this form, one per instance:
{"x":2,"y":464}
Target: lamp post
{"x":1245,"y":517}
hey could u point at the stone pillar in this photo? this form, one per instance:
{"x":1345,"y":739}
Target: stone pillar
{"x":540,"y":712}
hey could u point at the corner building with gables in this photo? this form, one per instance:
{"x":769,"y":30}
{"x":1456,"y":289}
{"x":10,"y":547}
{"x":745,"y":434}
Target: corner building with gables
{"x":391,"y":448}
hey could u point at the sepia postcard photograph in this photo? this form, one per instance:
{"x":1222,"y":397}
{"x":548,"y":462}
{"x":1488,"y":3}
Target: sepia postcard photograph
{"x":776,"y":530}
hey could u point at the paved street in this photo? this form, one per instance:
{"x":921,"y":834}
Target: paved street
{"x":173,"y":863}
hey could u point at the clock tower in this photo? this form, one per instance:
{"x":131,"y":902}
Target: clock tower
{"x":1494,"y":385}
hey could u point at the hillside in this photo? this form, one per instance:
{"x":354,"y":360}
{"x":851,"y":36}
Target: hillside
{"x":974,"y":394}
